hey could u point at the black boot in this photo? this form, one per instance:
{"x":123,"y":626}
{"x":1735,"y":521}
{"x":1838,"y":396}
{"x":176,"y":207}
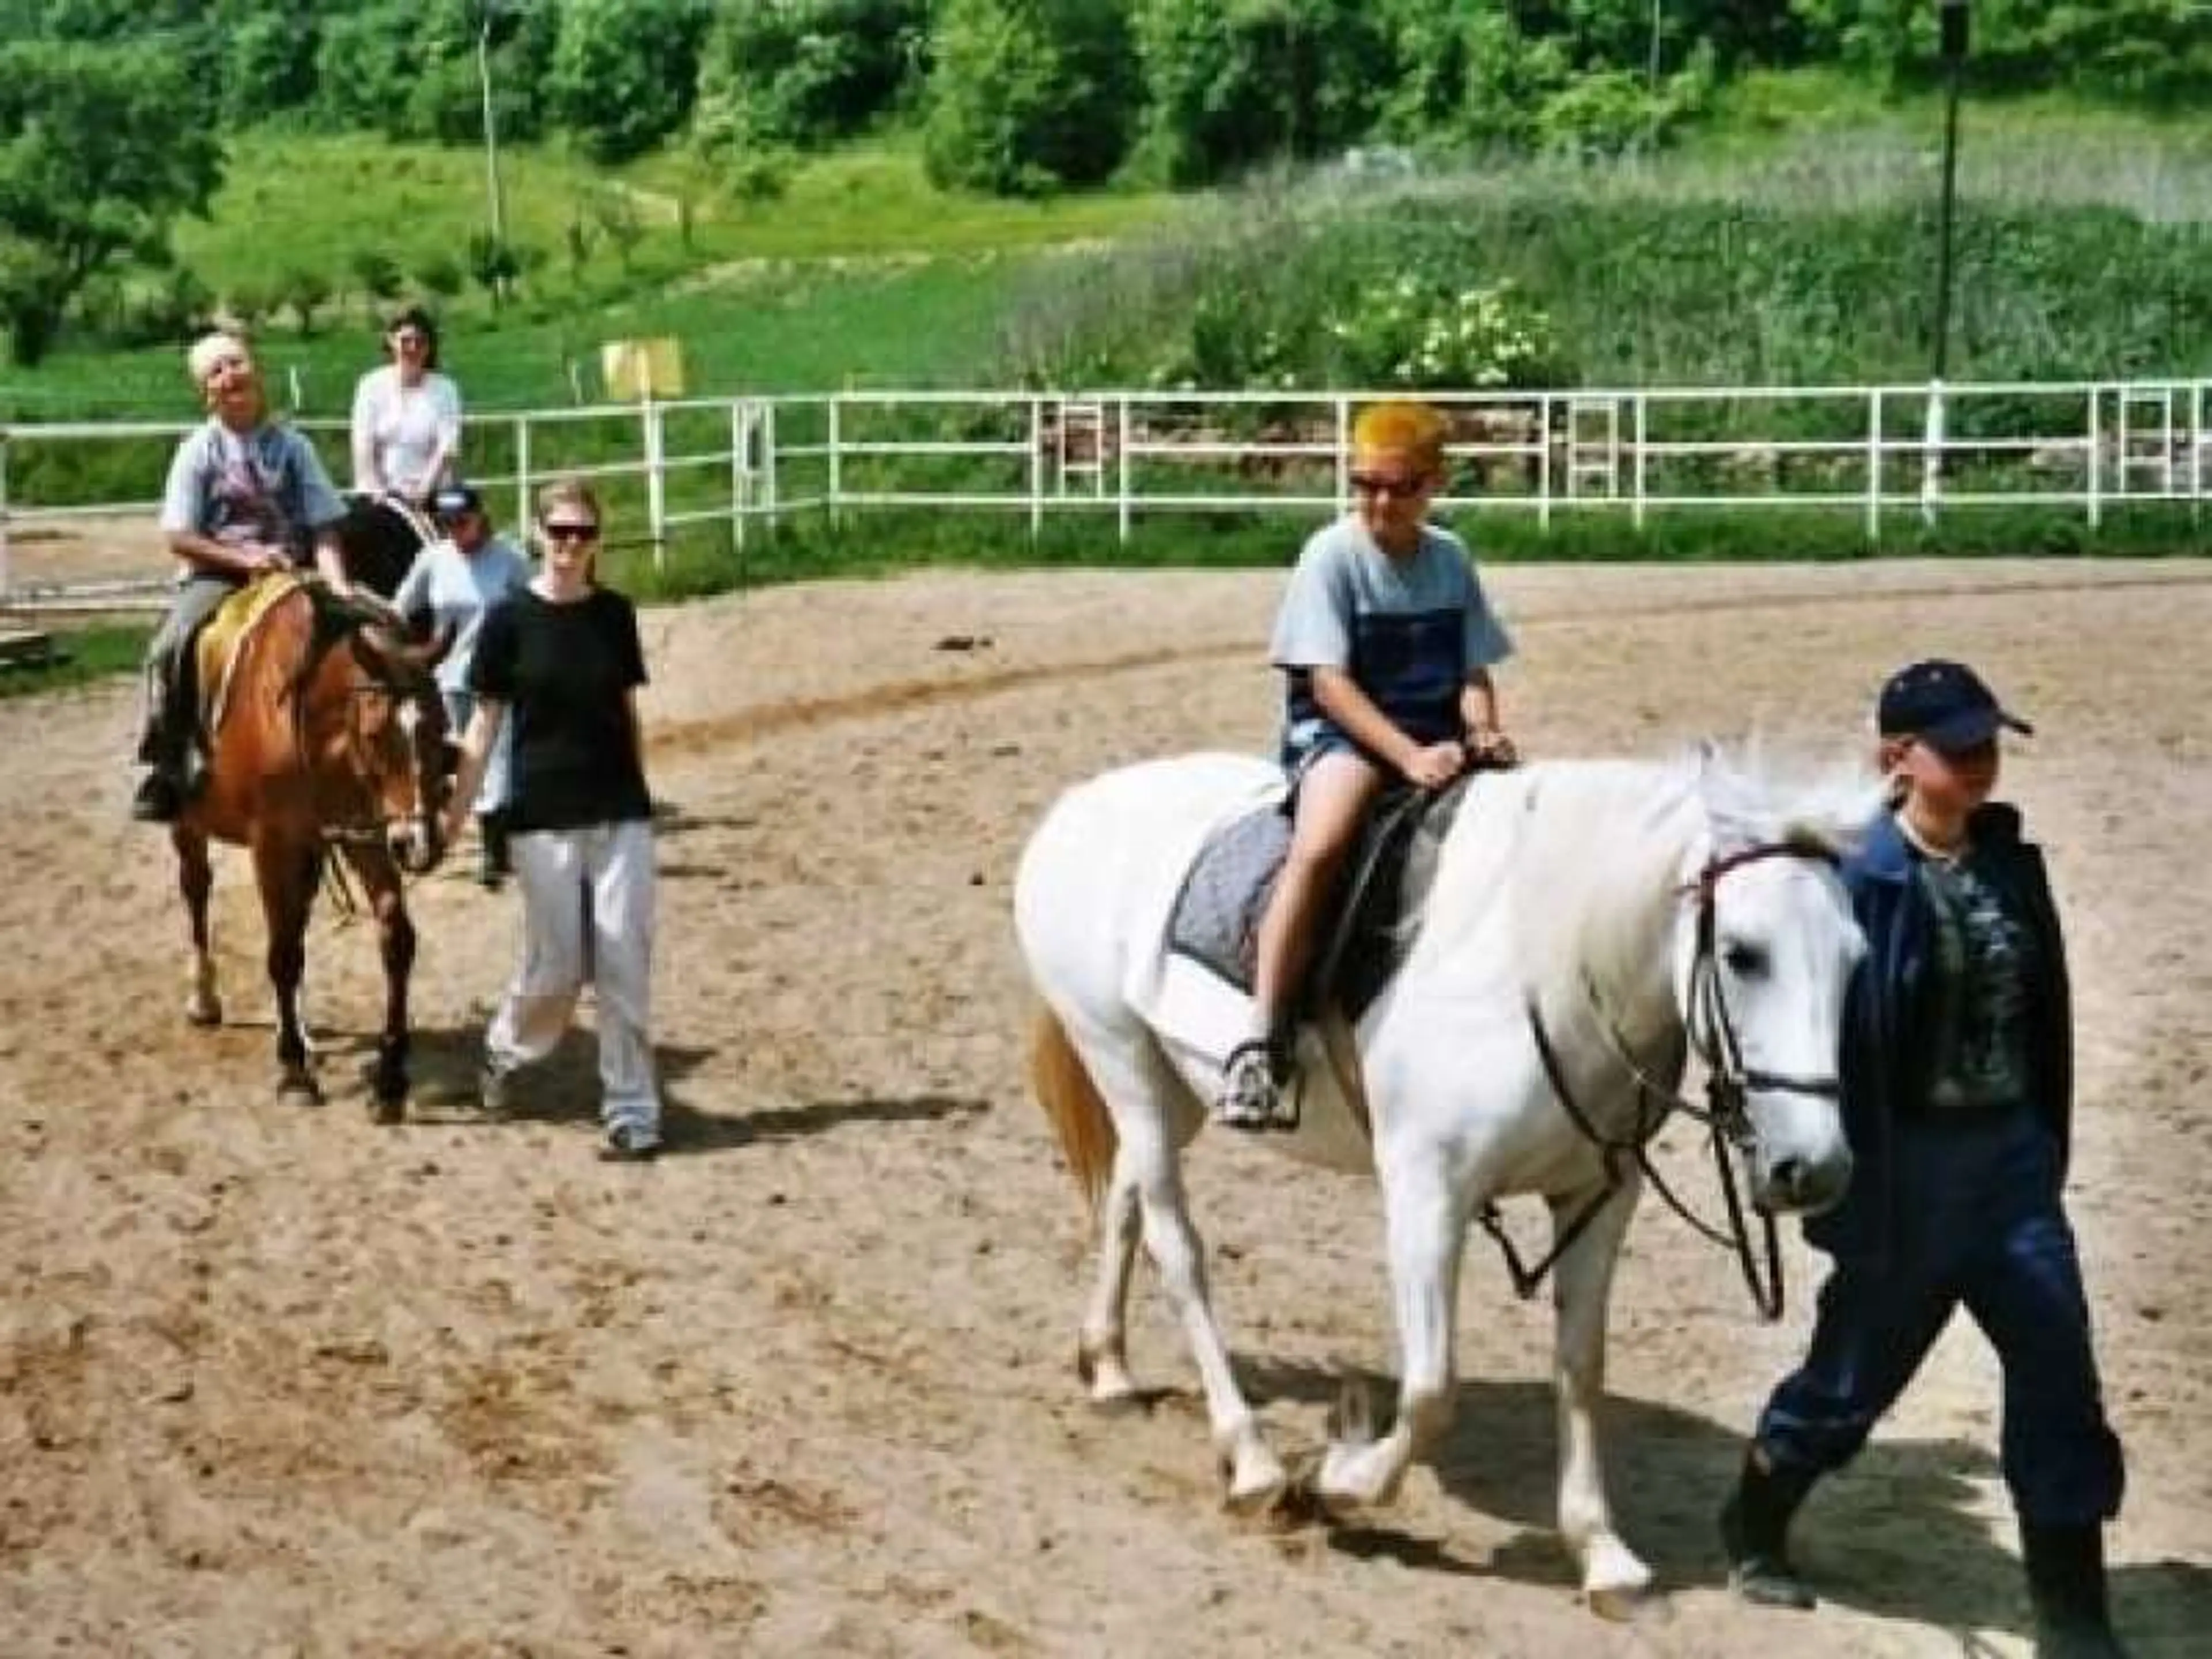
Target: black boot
{"x":1754,"y":1525}
{"x":2066,"y":1582}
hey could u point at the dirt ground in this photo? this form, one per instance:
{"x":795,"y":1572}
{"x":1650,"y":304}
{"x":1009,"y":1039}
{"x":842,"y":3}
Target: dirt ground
{"x":276,"y":1382}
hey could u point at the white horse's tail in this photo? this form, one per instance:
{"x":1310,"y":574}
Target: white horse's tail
{"x":1072,"y":1102}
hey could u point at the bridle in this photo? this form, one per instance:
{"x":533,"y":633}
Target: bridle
{"x":374,"y":826}
{"x":1711,"y":1031}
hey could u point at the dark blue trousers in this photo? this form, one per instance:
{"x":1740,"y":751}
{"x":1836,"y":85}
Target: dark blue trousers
{"x":1979,"y":1223}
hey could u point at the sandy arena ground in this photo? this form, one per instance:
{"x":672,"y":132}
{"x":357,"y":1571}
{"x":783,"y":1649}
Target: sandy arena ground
{"x":276,"y":1382}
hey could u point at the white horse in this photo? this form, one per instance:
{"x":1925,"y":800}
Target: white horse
{"x":1628,"y":911}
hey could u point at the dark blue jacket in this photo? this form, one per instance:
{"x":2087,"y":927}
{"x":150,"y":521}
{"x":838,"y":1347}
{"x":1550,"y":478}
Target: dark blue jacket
{"x":1887,"y":1046}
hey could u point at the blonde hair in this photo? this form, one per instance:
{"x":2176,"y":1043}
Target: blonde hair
{"x":568,"y":490}
{"x":211,"y":348}
{"x":1410,"y":428}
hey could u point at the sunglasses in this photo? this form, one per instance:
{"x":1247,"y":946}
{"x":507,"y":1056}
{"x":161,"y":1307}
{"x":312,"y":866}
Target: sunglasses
{"x":571,"y":532}
{"x":1387,"y":483}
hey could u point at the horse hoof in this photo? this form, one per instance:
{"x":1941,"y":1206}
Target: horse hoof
{"x":204,"y":1014}
{"x":301,"y":1087}
{"x":388,"y":1111}
{"x":1629,"y":1604}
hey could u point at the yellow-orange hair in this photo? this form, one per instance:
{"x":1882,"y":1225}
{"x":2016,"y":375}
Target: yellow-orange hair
{"x":1408,"y":428}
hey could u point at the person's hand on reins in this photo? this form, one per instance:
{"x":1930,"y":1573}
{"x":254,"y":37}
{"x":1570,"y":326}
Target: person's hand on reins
{"x":1436,"y":764}
{"x":1489,"y":746}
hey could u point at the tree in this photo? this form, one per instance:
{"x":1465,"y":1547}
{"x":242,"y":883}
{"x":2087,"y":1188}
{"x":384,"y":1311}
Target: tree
{"x":614,"y":210}
{"x":623,"y":74}
{"x":376,"y":275}
{"x":1026,"y":95}
{"x":804,"y":72}
{"x":100,"y":151}
{"x":442,"y":275}
{"x":268,"y":65}
{"x":1230,"y":86}
{"x":494,"y":263}
{"x":303,"y":293}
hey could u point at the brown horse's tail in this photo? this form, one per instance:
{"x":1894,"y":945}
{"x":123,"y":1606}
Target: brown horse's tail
{"x":1072,"y":1103}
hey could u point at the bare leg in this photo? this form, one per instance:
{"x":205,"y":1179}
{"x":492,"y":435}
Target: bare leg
{"x":196,"y":879}
{"x":1581,"y":1289}
{"x":1333,"y":796}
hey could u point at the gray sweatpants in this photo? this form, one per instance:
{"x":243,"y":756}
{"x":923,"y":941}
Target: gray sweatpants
{"x":587,"y":911}
{"x":169,"y":718}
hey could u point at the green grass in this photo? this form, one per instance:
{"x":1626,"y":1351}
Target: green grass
{"x":84,"y":654}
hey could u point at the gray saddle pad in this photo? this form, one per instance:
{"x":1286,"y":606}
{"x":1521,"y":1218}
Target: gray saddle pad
{"x":1373,"y":918}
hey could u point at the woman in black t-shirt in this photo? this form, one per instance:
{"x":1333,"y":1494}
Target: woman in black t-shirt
{"x":562,"y":659}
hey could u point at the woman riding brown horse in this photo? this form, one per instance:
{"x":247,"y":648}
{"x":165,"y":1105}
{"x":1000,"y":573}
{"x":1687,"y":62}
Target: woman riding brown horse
{"x":329,"y":732}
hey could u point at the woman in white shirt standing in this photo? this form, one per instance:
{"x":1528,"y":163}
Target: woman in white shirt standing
{"x":406,"y":416}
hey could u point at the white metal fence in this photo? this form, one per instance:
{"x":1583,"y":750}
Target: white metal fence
{"x":1121,"y":456}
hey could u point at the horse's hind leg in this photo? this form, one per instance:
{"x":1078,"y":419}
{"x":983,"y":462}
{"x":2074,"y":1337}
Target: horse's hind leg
{"x":395,"y":935}
{"x":195,"y":879}
{"x":1614,"y":1579}
{"x":286,"y":871}
{"x":1155,"y":1117}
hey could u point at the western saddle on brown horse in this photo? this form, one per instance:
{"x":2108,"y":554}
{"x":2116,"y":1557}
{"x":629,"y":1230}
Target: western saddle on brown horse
{"x":324,"y":732}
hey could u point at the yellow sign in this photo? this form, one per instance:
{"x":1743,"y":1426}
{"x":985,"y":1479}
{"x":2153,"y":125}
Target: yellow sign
{"x":635,"y":369}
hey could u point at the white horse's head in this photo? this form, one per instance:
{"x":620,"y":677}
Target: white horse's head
{"x":1763,"y":951}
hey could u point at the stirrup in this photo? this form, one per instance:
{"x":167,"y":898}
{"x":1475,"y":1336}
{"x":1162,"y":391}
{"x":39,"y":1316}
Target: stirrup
{"x":1252,"y":1096}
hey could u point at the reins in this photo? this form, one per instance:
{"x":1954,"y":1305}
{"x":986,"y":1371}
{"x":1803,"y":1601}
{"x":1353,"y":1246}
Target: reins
{"x":1711,"y":1031}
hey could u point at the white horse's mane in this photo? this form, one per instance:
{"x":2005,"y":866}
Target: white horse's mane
{"x":1601,"y":848}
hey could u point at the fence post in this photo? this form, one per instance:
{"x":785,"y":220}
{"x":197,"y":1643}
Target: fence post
{"x":1122,"y":461}
{"x":1642,"y":433}
{"x":522,"y":470}
{"x":1343,"y":454}
{"x":2096,"y":475}
{"x":656,"y":482}
{"x":1934,"y":446}
{"x":1037,"y":464}
{"x":3,"y":515}
{"x":1874,"y":467}
{"x":769,"y":465}
{"x":2197,"y":439}
{"x":836,"y":459}
{"x":740,"y":469}
{"x":1543,"y":460}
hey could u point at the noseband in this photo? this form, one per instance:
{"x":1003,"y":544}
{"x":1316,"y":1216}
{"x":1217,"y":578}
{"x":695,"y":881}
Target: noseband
{"x":1726,"y":1113}
{"x":374,"y":826}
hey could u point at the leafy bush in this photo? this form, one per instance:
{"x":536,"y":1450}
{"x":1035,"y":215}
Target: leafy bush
{"x":802,"y":73}
{"x":1027,"y":95}
{"x":1417,"y":332}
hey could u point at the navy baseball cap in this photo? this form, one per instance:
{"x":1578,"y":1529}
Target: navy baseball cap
{"x":454,"y":500}
{"x":1944,"y":704}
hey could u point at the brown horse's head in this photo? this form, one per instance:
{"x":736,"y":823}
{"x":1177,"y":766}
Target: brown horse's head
{"x":395,"y":744}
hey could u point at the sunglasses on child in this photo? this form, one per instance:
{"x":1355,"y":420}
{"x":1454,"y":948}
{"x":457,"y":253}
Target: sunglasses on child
{"x":568,"y":531}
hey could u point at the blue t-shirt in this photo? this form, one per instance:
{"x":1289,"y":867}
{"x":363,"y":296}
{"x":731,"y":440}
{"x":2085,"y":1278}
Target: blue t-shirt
{"x":266,"y":485}
{"x":457,"y":589}
{"x":1410,"y":631}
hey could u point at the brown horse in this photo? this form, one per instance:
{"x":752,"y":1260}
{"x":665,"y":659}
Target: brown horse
{"x":328,"y":733}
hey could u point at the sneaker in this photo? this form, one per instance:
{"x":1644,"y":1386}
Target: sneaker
{"x":1250,"y":1098}
{"x":629,"y":1143}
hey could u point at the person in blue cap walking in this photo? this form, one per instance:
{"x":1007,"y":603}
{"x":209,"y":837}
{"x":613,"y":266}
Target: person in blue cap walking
{"x":1957,"y":1074}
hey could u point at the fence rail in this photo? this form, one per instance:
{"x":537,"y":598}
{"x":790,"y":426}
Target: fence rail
{"x":1881,"y":452}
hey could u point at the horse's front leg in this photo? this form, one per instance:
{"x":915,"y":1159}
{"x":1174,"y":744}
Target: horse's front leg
{"x":286,"y":871}
{"x":1426,"y":1218}
{"x":1614,"y":1579}
{"x":196,"y":880}
{"x":395,"y":938}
